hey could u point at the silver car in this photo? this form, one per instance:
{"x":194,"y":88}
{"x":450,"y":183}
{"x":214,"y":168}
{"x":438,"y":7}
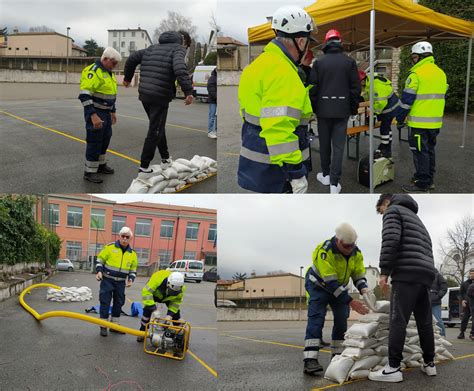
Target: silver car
{"x":64,"y":264}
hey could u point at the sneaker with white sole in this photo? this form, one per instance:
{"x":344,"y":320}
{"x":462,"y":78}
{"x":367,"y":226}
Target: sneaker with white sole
{"x":323,"y":179}
{"x":212,"y":135}
{"x":165,"y":163}
{"x":142,"y":170}
{"x":387,"y":374}
{"x":335,"y":189}
{"x":429,"y":369}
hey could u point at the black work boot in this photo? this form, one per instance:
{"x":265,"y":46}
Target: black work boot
{"x":414,"y":188}
{"x":324,"y":343}
{"x":461,"y":335}
{"x":105,"y":169}
{"x":431,"y":187}
{"x":92,"y":177}
{"x":103,"y":331}
{"x":312,"y":366}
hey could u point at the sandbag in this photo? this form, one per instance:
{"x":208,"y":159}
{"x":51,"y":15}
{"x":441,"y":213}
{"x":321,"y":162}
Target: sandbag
{"x":338,"y":369}
{"x":381,"y":350}
{"x":363,"y":329}
{"x":445,"y":342}
{"x":137,"y":187}
{"x":382,"y":333}
{"x":379,"y":317}
{"x":413,"y":340}
{"x":413,"y":364}
{"x":361,"y":343}
{"x":366,"y":363}
{"x":170,"y":173}
{"x":411,"y":332}
{"x":382,"y":306}
{"x":159,"y":186}
{"x":188,"y":163}
{"x":357,"y":353}
{"x":360,"y":374}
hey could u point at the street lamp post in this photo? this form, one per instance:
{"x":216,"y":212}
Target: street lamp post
{"x":67,"y":53}
{"x":301,"y":277}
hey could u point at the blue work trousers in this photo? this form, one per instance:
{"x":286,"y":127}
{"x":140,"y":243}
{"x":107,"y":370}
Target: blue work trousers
{"x":98,"y":140}
{"x":111,"y":289}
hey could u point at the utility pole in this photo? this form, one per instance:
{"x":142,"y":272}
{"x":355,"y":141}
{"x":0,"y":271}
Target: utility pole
{"x":301,"y":277}
{"x":67,"y":53}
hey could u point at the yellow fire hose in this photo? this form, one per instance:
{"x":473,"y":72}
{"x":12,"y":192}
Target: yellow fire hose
{"x":73,"y":315}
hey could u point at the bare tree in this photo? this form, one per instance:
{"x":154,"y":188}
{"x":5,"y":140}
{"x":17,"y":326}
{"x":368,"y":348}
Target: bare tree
{"x":215,"y":27}
{"x":41,"y":29}
{"x":239,"y":276}
{"x":458,"y":250}
{"x":175,"y":22}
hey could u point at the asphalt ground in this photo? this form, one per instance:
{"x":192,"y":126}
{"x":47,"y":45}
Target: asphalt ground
{"x":69,"y":354}
{"x":269,"y":356}
{"x":43,"y":139}
{"x":454,"y":164}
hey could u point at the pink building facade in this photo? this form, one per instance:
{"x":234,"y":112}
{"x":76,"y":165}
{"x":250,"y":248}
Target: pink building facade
{"x":162,"y":233}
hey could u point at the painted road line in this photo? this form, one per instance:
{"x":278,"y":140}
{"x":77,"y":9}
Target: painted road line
{"x":270,"y":342}
{"x":167,"y":124}
{"x":67,"y":135}
{"x":229,"y":153}
{"x":187,"y":186}
{"x":203,"y":363}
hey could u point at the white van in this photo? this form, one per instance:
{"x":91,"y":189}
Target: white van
{"x":451,"y":309}
{"x":191,"y":269}
{"x":200,"y":77}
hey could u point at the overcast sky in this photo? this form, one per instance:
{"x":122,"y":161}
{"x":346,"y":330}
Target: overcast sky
{"x":88,"y":18}
{"x":272,"y":232}
{"x":194,"y":200}
{"x":236,"y":16}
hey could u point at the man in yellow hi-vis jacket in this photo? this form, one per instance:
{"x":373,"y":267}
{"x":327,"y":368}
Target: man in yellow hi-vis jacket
{"x":275,"y":109}
{"x":98,"y":94}
{"x":166,"y":287}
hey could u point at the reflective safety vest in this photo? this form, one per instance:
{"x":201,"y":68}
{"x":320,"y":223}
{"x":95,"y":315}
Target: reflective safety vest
{"x":156,"y":290}
{"x":98,"y":88}
{"x":428,"y":82}
{"x":385,"y":100}
{"x":331,"y":270}
{"x":116,"y":264}
{"x":275,"y":109}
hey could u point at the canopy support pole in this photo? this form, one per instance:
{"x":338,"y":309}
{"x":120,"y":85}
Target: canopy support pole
{"x":248,"y":55}
{"x":371,"y":100}
{"x":466,"y":97}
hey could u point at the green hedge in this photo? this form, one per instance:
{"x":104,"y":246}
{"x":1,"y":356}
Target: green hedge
{"x":451,"y":56}
{"x":22,"y":238}
{"x":211,"y":59}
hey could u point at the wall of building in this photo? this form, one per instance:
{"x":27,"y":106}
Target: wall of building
{"x":24,"y":76}
{"x":252,"y":314}
{"x":38,"y":45}
{"x":273,"y":286}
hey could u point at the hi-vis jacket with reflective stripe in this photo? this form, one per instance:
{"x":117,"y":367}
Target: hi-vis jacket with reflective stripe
{"x":275,"y":109}
{"x":385,"y":100}
{"x":155,"y":290}
{"x":424,"y":96}
{"x":331,"y":270}
{"x":98,"y":89}
{"x":116,"y":264}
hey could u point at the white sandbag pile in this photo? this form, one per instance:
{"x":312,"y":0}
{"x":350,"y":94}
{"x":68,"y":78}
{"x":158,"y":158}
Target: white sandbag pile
{"x":69,"y":294}
{"x":366,"y":346}
{"x":180,"y":173}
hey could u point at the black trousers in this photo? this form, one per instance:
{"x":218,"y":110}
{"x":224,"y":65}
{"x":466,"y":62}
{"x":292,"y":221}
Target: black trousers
{"x":147,"y":311}
{"x":466,"y":314}
{"x":422,"y":144}
{"x":156,"y":137}
{"x":408,"y":298}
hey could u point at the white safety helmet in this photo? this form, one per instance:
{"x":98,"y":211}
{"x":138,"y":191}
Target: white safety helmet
{"x":422,"y":48}
{"x":111,"y":54}
{"x":175,"y":281}
{"x":125,"y":231}
{"x":292,"y":20}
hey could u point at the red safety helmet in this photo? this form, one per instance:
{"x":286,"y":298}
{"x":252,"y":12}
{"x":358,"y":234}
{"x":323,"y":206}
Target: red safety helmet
{"x":362,"y":75}
{"x":331,"y":34}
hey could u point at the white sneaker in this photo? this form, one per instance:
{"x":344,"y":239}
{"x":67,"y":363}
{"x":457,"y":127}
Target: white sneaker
{"x":387,"y":374}
{"x":212,"y":135}
{"x":142,"y":170}
{"x":336,"y":189}
{"x":165,"y":163}
{"x":429,"y":369}
{"x":323,"y":179}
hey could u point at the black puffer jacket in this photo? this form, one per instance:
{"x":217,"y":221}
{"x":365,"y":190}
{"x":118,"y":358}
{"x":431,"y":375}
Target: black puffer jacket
{"x":406,"y":253}
{"x":161,"y":65}
{"x":336,"y":83}
{"x":212,"y":87}
{"x":438,"y":289}
{"x":464,"y":287}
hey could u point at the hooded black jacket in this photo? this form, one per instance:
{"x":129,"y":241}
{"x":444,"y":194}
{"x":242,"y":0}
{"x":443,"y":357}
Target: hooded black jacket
{"x":438,"y":289}
{"x":336,"y":90}
{"x":406,"y":254}
{"x":160,"y":66}
{"x":212,"y":87}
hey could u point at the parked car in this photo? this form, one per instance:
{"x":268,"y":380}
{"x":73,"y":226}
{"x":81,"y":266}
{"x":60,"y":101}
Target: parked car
{"x":64,"y":264}
{"x":210,"y":275}
{"x":191,"y":269}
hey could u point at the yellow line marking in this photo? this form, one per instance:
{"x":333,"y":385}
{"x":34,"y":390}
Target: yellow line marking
{"x":167,"y":124}
{"x":271,"y":342}
{"x":229,"y":153}
{"x":204,"y":328}
{"x":203,"y":363}
{"x":67,"y":135}
{"x":193,"y":183}
{"x":462,"y":357}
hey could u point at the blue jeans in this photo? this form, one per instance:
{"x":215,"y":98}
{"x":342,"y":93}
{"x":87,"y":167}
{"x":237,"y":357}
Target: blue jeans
{"x":436,"y":308}
{"x":212,"y":123}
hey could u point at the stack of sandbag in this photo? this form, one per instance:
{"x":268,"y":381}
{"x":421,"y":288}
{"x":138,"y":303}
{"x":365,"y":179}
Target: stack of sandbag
{"x":366,"y":346}
{"x":180,"y":173}
{"x":69,"y":294}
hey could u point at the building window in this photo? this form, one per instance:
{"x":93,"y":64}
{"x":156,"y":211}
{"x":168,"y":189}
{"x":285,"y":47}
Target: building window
{"x":95,"y":249}
{"x":165,"y":258}
{"x":115,"y":45}
{"x":118,"y":222}
{"x":210,"y":260}
{"x":74,"y":216}
{"x":74,"y":251}
{"x":133,"y":33}
{"x":143,"y":227}
{"x":53,"y":214}
{"x":167,"y":228}
{"x":192,"y":230}
{"x":122,"y":44}
{"x":123,"y":54}
{"x":132,"y":45}
{"x":98,"y":218}
{"x":114,"y":34}
{"x":143,"y":35}
{"x":189,"y":255}
{"x":143,"y":255}
{"x":212,"y":233}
